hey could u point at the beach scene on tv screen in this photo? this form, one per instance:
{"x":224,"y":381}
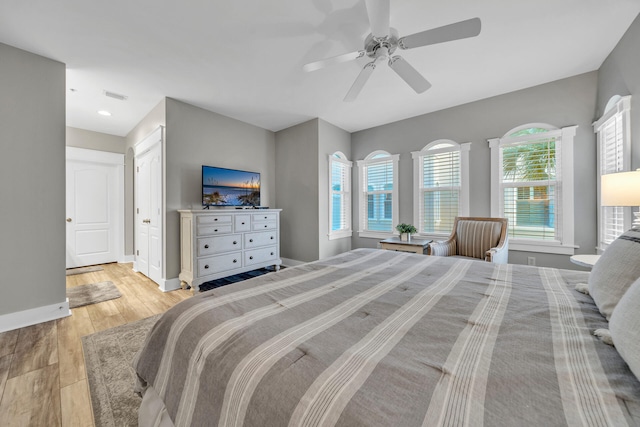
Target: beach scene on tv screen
{"x":228,"y":187}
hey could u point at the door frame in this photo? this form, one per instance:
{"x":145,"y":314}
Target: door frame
{"x":117,"y":161}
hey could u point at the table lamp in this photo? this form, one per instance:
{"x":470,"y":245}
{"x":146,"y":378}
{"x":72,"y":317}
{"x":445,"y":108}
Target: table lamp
{"x":621,"y":189}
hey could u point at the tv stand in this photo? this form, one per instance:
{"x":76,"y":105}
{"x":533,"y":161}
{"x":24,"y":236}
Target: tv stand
{"x":221,"y":243}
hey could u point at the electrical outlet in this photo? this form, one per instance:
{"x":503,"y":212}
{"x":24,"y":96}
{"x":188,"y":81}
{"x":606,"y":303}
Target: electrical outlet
{"x":531,"y":260}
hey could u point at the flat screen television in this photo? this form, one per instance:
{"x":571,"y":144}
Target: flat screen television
{"x":229,"y":187}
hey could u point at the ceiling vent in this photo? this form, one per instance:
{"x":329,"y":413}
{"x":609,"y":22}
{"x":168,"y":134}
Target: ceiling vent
{"x":115,"y":95}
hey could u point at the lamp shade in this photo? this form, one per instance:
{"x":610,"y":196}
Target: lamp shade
{"x":620,"y":189}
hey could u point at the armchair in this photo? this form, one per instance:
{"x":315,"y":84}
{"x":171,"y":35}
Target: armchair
{"x":475,"y":237}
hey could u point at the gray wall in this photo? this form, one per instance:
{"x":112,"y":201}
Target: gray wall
{"x":155,"y":118}
{"x":297,"y":190}
{"x":330,"y":139}
{"x":95,"y":140}
{"x":32,"y":180}
{"x":620,"y":75}
{"x":561,"y":103}
{"x":196,"y":137}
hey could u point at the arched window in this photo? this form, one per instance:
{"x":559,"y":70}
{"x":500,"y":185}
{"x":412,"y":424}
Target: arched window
{"x":378,"y":178}
{"x":339,"y":196}
{"x":532,"y":186}
{"x":614,"y":155}
{"x":441,"y":186}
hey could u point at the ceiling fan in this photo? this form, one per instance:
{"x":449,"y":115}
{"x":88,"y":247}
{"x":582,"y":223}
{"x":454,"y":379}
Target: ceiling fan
{"x":383,"y":42}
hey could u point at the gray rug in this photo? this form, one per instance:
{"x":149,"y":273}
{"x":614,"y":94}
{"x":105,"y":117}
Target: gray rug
{"x":90,"y":269}
{"x":107,"y":358}
{"x":92,"y":294}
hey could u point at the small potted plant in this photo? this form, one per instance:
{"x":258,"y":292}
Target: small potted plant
{"x":406,"y":230}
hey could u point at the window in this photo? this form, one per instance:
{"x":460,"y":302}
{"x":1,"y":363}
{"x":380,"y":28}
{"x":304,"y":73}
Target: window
{"x":378,"y":180}
{"x":441,"y":186}
{"x":339,"y":196}
{"x":613,"y":131}
{"x":532,"y":186}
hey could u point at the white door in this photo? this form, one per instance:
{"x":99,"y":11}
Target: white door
{"x":149,"y":213}
{"x":93,"y":208}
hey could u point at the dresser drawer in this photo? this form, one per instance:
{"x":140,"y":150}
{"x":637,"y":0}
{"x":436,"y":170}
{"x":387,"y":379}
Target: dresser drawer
{"x":214,"y":219}
{"x":264,"y":217}
{"x":242,"y":223}
{"x":256,"y":256}
{"x":253,"y":240}
{"x":219,"y":244}
{"x":218,"y":263}
{"x":271,"y":225}
{"x":208,"y":230}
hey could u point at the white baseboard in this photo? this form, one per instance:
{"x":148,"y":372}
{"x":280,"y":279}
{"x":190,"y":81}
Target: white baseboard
{"x":291,"y":262}
{"x":168,"y":285}
{"x":33,"y":316}
{"x":127,"y":258}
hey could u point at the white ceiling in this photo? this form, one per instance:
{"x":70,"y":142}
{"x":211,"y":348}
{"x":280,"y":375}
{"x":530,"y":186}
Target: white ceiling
{"x":243,"y":58}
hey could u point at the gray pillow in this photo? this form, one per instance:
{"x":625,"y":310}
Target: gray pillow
{"x":624,"y":327}
{"x":615,"y":271}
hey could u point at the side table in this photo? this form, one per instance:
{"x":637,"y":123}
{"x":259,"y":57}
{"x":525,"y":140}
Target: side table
{"x":585,"y":260}
{"x":415,"y":245}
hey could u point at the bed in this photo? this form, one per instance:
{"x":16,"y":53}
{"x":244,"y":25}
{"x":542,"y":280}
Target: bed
{"x":382,"y":338}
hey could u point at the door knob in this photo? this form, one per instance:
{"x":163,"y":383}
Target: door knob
{"x":68,"y":219}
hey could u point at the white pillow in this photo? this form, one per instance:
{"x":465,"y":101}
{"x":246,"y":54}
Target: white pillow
{"x":625,"y":327}
{"x":615,"y":271}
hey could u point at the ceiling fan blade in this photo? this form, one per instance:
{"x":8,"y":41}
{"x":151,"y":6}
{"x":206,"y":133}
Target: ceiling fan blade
{"x":456,"y":31}
{"x":378,"y":11}
{"x":362,"y":78}
{"x":409,"y":74}
{"x":313,"y":66}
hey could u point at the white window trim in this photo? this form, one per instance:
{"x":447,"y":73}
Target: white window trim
{"x":340,"y":234}
{"x":463,"y":208}
{"x":566,"y":136}
{"x":616,"y":105}
{"x":369,"y":160}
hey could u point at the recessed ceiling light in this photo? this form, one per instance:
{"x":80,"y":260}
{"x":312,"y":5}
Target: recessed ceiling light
{"x":104,"y":113}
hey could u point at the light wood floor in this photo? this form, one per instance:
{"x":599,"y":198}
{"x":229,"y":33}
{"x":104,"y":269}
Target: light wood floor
{"x":42,"y":375}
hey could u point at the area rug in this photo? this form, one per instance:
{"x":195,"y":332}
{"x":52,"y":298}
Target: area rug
{"x":107,"y":357}
{"x":92,"y":293}
{"x":81,"y":270}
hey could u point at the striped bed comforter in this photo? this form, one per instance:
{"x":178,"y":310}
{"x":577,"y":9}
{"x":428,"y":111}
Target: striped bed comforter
{"x":382,"y":338}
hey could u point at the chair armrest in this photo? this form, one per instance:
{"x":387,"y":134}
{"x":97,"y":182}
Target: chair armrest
{"x":499,"y":254}
{"x":444,"y":248}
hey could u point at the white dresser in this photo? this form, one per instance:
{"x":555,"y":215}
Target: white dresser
{"x":223,"y":242}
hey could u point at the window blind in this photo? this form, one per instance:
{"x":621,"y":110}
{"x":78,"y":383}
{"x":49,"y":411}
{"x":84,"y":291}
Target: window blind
{"x":378,"y":196}
{"x":439,"y":192}
{"x":530,"y":175}
{"x":611,"y":137}
{"x":340,"y":196}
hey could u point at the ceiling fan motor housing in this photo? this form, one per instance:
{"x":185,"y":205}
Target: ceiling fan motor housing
{"x":372,"y":44}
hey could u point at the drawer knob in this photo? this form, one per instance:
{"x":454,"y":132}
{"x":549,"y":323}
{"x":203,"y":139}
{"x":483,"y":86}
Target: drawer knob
{"x":206,"y":246}
{"x":235,"y":260}
{"x":271,"y":253}
{"x":215,"y":219}
{"x":243,"y":223}
{"x":271,"y":237}
{"x":206,"y":267}
{"x":215,"y":230}
{"x":251,"y":257}
{"x":250,"y":240}
{"x":265,"y":226}
{"x":235,"y":243}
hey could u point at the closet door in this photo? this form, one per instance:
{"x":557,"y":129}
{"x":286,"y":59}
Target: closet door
{"x":148,"y":212}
